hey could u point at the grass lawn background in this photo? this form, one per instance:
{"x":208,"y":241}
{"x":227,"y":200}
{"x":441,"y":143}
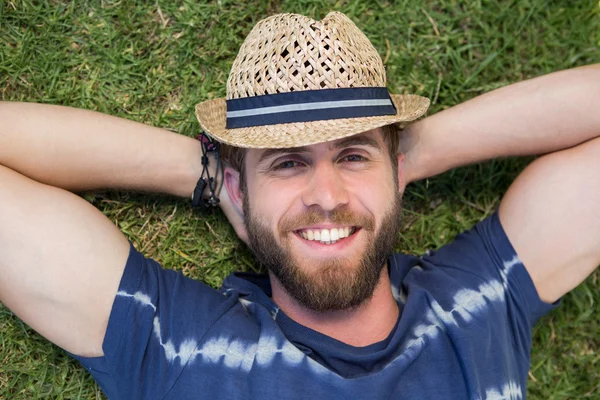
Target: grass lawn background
{"x":153,"y":61}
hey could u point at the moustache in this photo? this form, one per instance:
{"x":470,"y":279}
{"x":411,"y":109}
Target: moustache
{"x":339,"y":216}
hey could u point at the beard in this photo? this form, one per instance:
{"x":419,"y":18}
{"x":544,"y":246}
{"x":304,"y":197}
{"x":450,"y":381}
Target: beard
{"x":337,"y":283}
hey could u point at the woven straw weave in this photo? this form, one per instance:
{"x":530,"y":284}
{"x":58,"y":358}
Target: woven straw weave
{"x":291,"y":52}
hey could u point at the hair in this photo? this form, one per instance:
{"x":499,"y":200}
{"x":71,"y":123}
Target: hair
{"x":236,"y":156}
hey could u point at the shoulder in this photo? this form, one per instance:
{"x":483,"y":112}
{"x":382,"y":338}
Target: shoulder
{"x":479,"y":267}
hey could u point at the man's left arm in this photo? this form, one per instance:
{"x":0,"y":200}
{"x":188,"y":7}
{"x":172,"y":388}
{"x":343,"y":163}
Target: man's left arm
{"x":551,"y":213}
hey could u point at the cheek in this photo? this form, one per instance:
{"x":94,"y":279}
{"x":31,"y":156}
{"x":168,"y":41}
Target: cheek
{"x":375,"y":194}
{"x":271,"y":201}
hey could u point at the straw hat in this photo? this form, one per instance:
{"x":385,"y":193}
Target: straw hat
{"x":297,"y":81}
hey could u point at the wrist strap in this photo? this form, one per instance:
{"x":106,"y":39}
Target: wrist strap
{"x":208,"y":146}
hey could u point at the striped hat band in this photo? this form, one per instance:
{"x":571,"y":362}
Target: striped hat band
{"x":308,"y":105}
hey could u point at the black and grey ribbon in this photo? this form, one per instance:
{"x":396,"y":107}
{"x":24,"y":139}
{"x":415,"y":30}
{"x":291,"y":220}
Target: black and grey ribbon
{"x":309,"y":105}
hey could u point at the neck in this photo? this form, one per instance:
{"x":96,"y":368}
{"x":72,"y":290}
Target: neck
{"x":369,"y":323}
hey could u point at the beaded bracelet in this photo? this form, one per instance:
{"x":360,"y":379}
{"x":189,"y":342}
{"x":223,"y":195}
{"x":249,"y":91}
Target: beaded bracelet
{"x":208,"y":146}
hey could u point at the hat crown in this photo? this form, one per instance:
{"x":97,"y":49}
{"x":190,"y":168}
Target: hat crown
{"x":291,"y":52}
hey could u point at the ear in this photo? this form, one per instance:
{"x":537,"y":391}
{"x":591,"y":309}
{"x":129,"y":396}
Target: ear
{"x":232,"y":184}
{"x":401,"y":176}
{"x":233,"y":205}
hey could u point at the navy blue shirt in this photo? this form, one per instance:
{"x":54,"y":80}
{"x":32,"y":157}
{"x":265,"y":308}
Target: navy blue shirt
{"x":464,"y":332}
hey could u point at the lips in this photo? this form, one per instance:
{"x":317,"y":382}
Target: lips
{"x":327,"y":236}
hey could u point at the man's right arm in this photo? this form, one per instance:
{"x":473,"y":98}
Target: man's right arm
{"x":61,"y":260}
{"x":80,"y":150}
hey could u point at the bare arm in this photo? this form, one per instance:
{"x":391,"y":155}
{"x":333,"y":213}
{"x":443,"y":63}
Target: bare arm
{"x":551,"y":213}
{"x":61,"y":260}
{"x":536,"y":116}
{"x":82,"y":150}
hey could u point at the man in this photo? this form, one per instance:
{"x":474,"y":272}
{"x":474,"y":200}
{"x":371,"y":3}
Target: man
{"x":314,"y":187}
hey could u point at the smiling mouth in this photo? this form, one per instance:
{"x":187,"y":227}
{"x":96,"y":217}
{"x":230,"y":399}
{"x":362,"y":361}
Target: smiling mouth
{"x":327,"y":236}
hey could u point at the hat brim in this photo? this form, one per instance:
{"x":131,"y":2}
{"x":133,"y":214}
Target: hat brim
{"x":211,"y":115}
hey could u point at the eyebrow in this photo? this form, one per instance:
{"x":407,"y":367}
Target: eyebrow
{"x":356,"y":140}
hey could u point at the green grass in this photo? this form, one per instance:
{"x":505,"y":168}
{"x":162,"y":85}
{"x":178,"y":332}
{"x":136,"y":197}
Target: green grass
{"x":153,"y":61}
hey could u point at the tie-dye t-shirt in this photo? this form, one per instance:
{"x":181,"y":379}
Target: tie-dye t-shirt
{"x":464,"y":332}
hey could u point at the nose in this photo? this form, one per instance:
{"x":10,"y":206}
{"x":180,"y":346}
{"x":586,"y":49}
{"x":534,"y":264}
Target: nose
{"x":325,"y":188}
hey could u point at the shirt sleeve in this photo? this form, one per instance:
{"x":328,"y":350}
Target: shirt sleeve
{"x":157,"y":322}
{"x":511,"y":269}
{"x":490,"y":270}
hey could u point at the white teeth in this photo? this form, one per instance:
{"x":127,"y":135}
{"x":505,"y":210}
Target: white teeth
{"x":334,"y":235}
{"x":327,"y":236}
